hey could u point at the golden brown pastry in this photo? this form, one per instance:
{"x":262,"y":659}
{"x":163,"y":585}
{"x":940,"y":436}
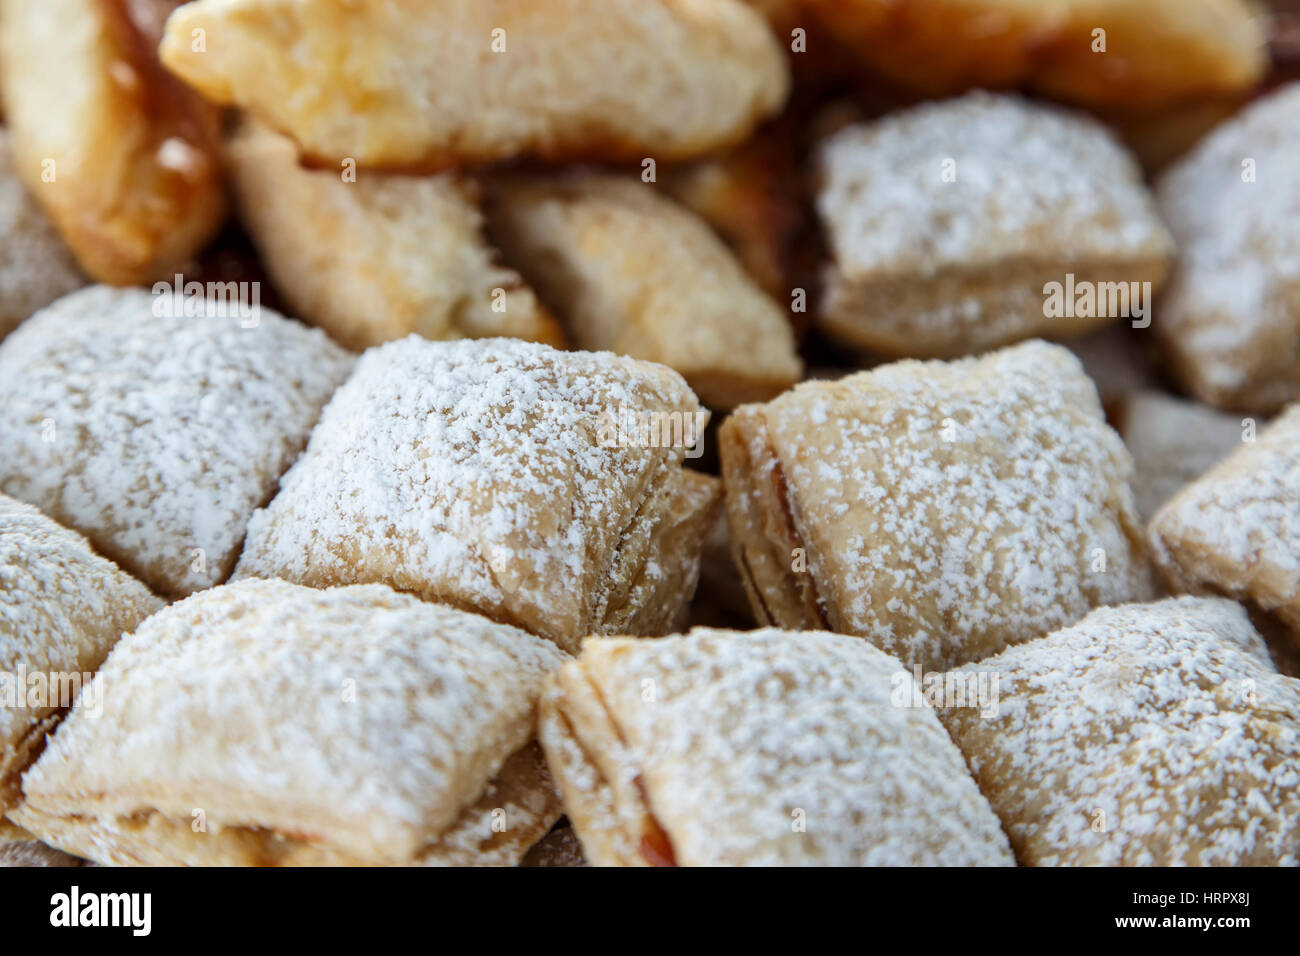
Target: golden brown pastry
{"x":758,"y":749}
{"x":372,"y":257}
{"x":30,"y":852}
{"x":1145,"y":735}
{"x":1094,"y":52}
{"x":538,"y":487}
{"x":633,"y":272}
{"x":1230,"y":318}
{"x":124,"y":158}
{"x":62,"y":608}
{"x":439,"y":83}
{"x":958,"y":226}
{"x":1236,"y":530}
{"x":299,"y":727}
{"x":156,"y":433}
{"x":942,"y":510}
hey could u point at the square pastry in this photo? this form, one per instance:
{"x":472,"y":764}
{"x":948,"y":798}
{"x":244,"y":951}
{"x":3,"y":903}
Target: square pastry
{"x":1145,"y":735}
{"x":62,"y":608}
{"x":1236,"y":530}
{"x":967,"y":224}
{"x":1230,"y":319}
{"x":154,"y":432}
{"x":942,"y":510}
{"x":761,"y":749}
{"x":301,"y":727}
{"x":541,"y":488}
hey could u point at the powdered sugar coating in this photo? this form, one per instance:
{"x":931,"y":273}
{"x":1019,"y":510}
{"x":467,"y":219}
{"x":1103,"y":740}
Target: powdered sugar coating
{"x":157,"y":436}
{"x":1146,"y":735}
{"x":480,"y":473}
{"x":780,"y":748}
{"x":1230,"y":320}
{"x":366,"y":718}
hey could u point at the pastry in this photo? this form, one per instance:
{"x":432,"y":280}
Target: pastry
{"x":35,"y":266}
{"x":1094,"y":52}
{"x":962,"y":225}
{"x":29,"y":852}
{"x":942,"y":510}
{"x":759,"y":749}
{"x":1230,"y":319}
{"x":372,"y":257}
{"x":1145,"y":735}
{"x":1174,"y":442}
{"x":431,"y":84}
{"x":154,"y":432}
{"x":1236,"y":530}
{"x":124,"y":158}
{"x":299,"y":727}
{"x":635,"y":273}
{"x":541,"y":488}
{"x":62,"y":608}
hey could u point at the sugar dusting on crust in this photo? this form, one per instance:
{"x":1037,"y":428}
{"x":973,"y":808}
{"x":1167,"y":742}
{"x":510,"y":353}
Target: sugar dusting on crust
{"x":157,"y":436}
{"x":1145,"y":735}
{"x":742,"y":739}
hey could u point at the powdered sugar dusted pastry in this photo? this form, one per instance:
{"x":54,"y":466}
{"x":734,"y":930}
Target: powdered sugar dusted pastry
{"x":372,"y":257}
{"x":942,"y":510}
{"x":1095,"y":52}
{"x":123,"y":156}
{"x":637,"y":274}
{"x":1230,"y":319}
{"x":156,"y":435}
{"x":1173,"y":443}
{"x":760,"y":748}
{"x":538,"y":487}
{"x":437,"y":84}
{"x":1236,"y":530}
{"x":302,"y":727}
{"x":35,"y":266}
{"x":62,"y":607}
{"x":949,"y":224}
{"x":1145,"y":735}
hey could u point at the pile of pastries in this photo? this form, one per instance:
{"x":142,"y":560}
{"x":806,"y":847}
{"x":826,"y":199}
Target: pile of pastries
{"x":649,"y":432}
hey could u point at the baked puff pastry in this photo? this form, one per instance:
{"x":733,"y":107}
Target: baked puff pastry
{"x":154,"y":432}
{"x":372,"y":257}
{"x":1098,"y":53}
{"x":124,"y":158}
{"x":62,"y":608}
{"x":762,"y":749}
{"x":344,"y":727}
{"x":635,"y":273}
{"x":541,"y":488}
{"x":1146,"y":735}
{"x":1236,"y":530}
{"x":432,"y":84}
{"x":1230,"y":319}
{"x":942,"y":510}
{"x":958,"y":226}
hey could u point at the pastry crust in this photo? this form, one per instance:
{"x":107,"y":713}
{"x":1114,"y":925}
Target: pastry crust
{"x":760,"y":748}
{"x":62,"y":608}
{"x":380,"y":256}
{"x":947,"y":223}
{"x":124,"y":158}
{"x":635,"y":273}
{"x":1236,"y":530}
{"x":488,"y":475}
{"x":35,"y":266}
{"x":342,"y":727}
{"x":1230,"y":318}
{"x":1146,"y":735}
{"x":157,"y":435}
{"x":942,"y":510}
{"x":430,"y":85}
{"x":29,"y":852}
{"x":1157,"y":52}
